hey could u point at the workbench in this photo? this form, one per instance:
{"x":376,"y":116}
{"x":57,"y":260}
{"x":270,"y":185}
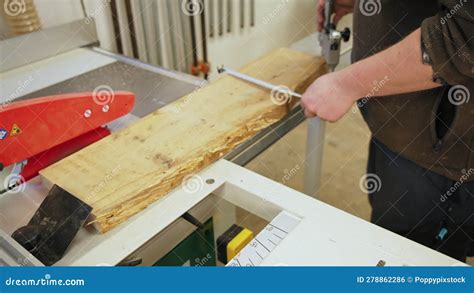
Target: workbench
{"x":323,"y":235}
{"x":79,"y":66}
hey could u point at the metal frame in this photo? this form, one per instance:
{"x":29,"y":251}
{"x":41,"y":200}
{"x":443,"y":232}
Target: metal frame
{"x":152,"y":68}
{"x":250,"y":149}
{"x":314,"y":156}
{"x":265,"y":198}
{"x":322,"y":236}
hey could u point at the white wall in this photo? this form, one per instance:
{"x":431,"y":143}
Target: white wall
{"x":100,"y":11}
{"x":279,"y":23}
{"x":57,"y":12}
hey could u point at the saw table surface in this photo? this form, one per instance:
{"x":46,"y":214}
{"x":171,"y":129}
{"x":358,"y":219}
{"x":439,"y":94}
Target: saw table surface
{"x":79,"y":70}
{"x":124,"y":173}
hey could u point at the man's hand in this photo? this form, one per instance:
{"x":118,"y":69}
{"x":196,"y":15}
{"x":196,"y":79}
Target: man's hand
{"x":330,"y":97}
{"x":341,"y":8}
{"x":333,"y":94}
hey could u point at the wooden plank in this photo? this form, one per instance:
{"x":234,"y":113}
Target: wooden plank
{"x":124,"y":173}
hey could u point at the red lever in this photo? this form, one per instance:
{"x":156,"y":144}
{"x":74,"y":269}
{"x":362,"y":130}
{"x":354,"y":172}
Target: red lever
{"x":30,"y":127}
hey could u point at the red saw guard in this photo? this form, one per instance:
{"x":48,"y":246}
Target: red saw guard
{"x":30,"y":129}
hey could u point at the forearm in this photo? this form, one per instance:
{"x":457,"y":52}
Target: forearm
{"x":448,"y":45}
{"x":398,"y":69}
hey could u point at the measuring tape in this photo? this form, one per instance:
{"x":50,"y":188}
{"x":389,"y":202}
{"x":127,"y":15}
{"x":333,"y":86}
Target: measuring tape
{"x":266,"y":241}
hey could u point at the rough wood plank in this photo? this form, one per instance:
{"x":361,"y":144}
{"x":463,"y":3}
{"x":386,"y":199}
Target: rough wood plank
{"x":124,"y":173}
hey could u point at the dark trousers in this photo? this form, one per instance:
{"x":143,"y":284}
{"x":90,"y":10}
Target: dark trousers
{"x":421,"y":205}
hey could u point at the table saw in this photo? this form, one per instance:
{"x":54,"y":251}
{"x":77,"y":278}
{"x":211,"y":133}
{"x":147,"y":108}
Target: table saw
{"x":300,"y":230}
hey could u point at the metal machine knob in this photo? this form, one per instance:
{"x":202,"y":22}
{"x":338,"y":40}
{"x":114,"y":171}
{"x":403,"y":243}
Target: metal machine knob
{"x":346,"y":34}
